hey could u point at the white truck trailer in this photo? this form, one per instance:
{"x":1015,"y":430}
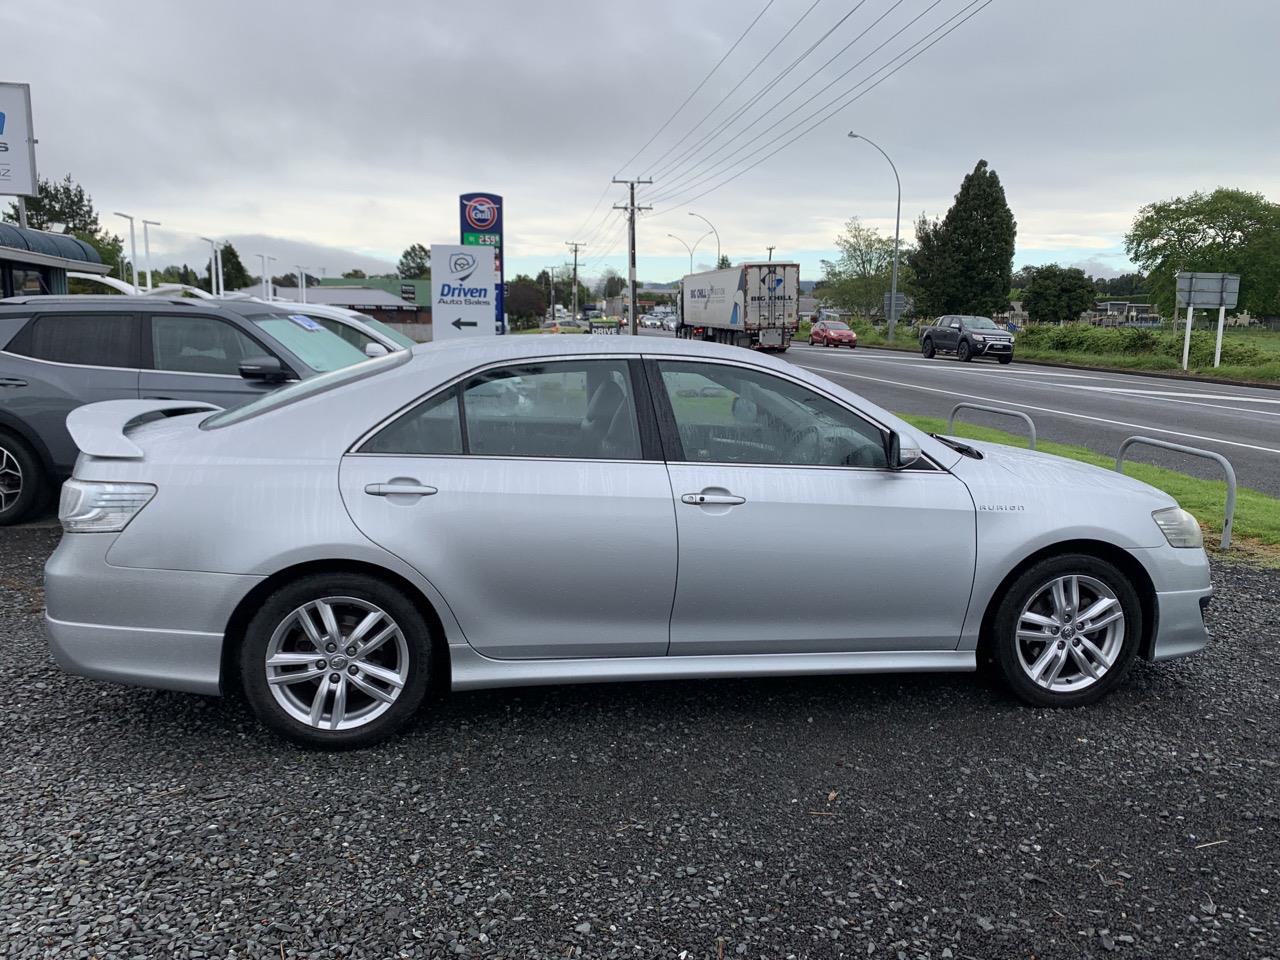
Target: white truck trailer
{"x":753,"y":305}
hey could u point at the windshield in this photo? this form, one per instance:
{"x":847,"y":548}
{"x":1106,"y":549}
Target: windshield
{"x":310,"y":342}
{"x":980,"y":323}
{"x":836,"y":324}
{"x":390,"y":332}
{"x":301,"y":389}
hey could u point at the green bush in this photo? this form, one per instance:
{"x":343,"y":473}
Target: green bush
{"x":1082,"y":338}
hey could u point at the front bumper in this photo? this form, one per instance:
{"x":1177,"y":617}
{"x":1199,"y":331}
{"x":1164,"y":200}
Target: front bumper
{"x":1183,"y":590}
{"x":995,"y":348}
{"x":153,"y":628}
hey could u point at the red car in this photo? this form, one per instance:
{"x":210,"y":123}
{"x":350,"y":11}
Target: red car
{"x":832,"y":333}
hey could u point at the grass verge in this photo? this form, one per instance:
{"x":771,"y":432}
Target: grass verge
{"x":1256,"y":528}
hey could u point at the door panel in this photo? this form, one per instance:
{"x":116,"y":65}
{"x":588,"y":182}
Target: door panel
{"x":820,"y":560}
{"x":536,"y":558}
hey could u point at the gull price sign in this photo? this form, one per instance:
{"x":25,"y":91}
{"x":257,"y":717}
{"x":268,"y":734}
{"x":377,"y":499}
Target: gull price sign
{"x":463,"y":292}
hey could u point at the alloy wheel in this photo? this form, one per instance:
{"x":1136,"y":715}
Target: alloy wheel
{"x":10,"y":479}
{"x":337,"y":663}
{"x":1070,"y":633}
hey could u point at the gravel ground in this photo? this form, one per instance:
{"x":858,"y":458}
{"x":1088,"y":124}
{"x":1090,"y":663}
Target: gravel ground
{"x":897,"y":817}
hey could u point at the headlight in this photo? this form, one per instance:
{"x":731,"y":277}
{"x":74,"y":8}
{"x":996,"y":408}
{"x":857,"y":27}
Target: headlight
{"x":89,"y":506}
{"x":1179,"y":527}
{"x":981,"y":338}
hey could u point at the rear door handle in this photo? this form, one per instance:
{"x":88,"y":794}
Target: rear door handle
{"x":712,"y":499}
{"x":12,"y":382}
{"x":399,"y":489}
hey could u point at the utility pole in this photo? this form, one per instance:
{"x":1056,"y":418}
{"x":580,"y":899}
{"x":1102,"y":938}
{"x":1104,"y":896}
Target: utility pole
{"x":551,"y":276}
{"x":631,"y":209}
{"x":574,"y":246}
{"x":771,"y":253}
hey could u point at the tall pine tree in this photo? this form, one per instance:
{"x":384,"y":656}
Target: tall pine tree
{"x":964,"y":263}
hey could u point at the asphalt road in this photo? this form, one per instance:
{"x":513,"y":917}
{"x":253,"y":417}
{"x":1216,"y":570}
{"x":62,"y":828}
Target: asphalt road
{"x":864,"y":817}
{"x":1095,"y":410}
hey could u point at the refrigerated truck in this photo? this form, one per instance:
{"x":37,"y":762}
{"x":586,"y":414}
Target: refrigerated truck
{"x":753,"y":305}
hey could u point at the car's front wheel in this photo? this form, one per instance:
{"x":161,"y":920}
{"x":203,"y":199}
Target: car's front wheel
{"x":336,"y":660}
{"x":22,"y":482}
{"x":964,"y":352}
{"x":1006,"y":359}
{"x":1067,"y":630}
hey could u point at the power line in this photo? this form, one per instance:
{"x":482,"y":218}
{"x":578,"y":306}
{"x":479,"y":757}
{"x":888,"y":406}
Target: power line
{"x":720,"y":62}
{"x":759,"y":63}
{"x":728,"y":163}
{"x":670,"y":188}
{"x":974,"y":7}
{"x":765,"y":89}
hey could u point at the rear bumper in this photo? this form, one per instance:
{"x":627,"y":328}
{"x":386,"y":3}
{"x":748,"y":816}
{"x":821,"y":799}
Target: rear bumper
{"x":154,"y":628}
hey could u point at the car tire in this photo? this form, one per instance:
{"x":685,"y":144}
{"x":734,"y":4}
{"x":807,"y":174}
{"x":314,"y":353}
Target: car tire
{"x":382,"y":674}
{"x":23,"y":486}
{"x":927,"y":348}
{"x":963,"y":353}
{"x":811,"y":341}
{"x":1031,"y":605}
{"x":1008,"y":359}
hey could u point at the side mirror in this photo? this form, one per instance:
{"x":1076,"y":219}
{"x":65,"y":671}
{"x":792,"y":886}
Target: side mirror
{"x":902,"y":451}
{"x":374,"y":349}
{"x":269,"y":369}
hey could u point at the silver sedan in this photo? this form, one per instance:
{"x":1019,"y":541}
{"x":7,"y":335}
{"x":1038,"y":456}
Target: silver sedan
{"x":530,"y":510}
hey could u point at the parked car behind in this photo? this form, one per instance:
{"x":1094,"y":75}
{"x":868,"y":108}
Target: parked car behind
{"x":367,"y":334}
{"x":462,"y":511}
{"x":832,"y":333}
{"x":58,"y":352}
{"x":966,"y":337}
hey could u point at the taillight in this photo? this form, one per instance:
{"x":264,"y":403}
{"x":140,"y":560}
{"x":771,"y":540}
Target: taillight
{"x":91,"y":506}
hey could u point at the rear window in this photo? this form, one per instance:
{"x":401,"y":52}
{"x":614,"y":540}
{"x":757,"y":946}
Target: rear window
{"x":302,"y":389}
{"x":309,"y":341}
{"x":99,"y":340}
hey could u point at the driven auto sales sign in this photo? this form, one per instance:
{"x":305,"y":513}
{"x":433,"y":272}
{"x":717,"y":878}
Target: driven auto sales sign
{"x":464,"y":287}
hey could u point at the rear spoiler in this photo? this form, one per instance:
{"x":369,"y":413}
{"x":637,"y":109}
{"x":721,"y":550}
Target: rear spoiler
{"x":99,"y":428}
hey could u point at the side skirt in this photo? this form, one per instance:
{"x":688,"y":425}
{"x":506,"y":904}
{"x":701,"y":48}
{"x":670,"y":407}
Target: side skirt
{"x":472,"y":671}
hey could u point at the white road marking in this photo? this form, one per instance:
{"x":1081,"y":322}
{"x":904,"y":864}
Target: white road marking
{"x":1060,"y":413}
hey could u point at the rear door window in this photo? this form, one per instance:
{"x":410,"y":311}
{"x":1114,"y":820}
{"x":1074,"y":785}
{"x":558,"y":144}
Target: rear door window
{"x":98,"y":340}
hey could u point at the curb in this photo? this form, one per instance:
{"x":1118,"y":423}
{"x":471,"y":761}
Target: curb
{"x":1158,"y":374}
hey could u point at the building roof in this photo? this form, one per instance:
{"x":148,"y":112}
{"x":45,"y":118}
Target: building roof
{"x":354,"y":298}
{"x":41,"y":248}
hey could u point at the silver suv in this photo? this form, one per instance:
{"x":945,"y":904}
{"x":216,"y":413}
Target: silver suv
{"x":58,"y":352}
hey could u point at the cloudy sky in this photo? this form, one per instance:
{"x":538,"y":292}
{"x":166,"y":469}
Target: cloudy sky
{"x":336,"y":133}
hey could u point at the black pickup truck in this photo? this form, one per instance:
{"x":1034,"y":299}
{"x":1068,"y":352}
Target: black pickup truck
{"x":966,"y":337}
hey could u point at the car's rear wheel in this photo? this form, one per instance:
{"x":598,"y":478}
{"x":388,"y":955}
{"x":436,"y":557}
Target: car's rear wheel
{"x":927,"y":348}
{"x":336,"y":660}
{"x":22,"y":482}
{"x":1067,"y":630}
{"x":963,"y":351}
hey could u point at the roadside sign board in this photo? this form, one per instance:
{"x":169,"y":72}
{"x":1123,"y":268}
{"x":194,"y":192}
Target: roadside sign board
{"x":409,"y":291}
{"x":480,"y":225}
{"x":1208,"y":291}
{"x":901,"y":302}
{"x":464,"y":290}
{"x":17,"y":143}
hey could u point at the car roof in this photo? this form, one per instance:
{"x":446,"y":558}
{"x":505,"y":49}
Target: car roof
{"x":483,"y":350}
{"x":74,"y":301}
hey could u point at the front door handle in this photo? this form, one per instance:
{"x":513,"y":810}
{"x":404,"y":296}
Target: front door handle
{"x":712,"y":499}
{"x":399,"y":489}
{"x":12,"y":382}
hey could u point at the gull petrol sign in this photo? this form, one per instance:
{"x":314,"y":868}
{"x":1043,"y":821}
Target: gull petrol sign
{"x":480,"y":225}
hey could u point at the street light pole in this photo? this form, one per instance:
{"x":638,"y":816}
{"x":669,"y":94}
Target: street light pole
{"x":133,"y":250}
{"x":222,"y":287}
{"x":302,"y":282}
{"x":897,"y":226}
{"x":687,"y":247}
{"x":146,"y":247}
{"x":213,"y":257}
{"x":266,"y":275}
{"x":713,"y":230}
